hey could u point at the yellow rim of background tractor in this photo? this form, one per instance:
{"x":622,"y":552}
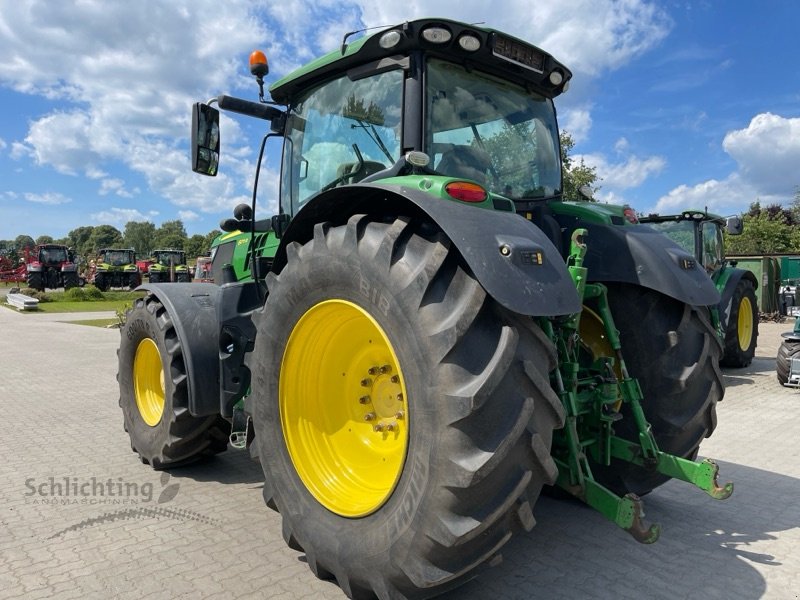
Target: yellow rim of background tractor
{"x":148,"y":382}
{"x":594,"y":338}
{"x":343,"y":408}
{"x":745,"y":324}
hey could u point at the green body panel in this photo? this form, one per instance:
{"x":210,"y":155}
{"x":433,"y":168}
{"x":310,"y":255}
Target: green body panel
{"x":592,"y":212}
{"x":232,"y":248}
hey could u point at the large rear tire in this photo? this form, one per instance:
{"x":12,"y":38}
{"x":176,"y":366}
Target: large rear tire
{"x":35,"y":281}
{"x":786,"y":352}
{"x":403,"y":419}
{"x":153,"y":392}
{"x":673,"y":351}
{"x":742,"y":330}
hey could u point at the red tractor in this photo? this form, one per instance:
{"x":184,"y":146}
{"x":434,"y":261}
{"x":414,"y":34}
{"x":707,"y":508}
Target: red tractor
{"x":52,"y":266}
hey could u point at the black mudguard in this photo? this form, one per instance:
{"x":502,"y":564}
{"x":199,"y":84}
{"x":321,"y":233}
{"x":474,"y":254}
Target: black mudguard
{"x":643,"y":256}
{"x":511,"y":258}
{"x":192,"y":308}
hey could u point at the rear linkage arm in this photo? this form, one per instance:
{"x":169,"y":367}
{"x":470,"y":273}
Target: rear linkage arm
{"x":591,"y":398}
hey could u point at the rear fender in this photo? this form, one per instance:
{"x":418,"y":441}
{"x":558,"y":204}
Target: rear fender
{"x":640,"y":255}
{"x":512,"y":259}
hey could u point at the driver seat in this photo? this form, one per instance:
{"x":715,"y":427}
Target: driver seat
{"x":467,"y":162}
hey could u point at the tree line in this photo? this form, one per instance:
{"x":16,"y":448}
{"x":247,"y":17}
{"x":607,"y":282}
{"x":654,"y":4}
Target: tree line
{"x":142,"y":236}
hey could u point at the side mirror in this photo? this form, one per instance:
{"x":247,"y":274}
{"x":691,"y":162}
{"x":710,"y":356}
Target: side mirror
{"x":205,"y":139}
{"x":734,"y":225}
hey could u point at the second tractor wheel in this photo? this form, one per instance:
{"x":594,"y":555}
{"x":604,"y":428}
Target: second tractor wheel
{"x":742,"y":329}
{"x":35,"y":281}
{"x":403,"y":419}
{"x":786,"y":352}
{"x":153,"y":392}
{"x":673,"y":351}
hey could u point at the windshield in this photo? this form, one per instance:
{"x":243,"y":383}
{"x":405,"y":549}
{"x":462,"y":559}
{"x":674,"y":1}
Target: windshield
{"x":117,"y":258}
{"x":681,"y":232}
{"x":52,"y":255}
{"x":491,"y":131}
{"x":169,"y":258}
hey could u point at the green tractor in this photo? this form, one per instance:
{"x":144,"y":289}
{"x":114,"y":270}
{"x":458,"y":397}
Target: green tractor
{"x":701,"y":233}
{"x":426,"y":334}
{"x":116,"y":268}
{"x":168,"y":266}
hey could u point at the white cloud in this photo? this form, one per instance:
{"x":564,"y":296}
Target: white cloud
{"x":577,"y":122}
{"x":630,"y":173}
{"x":3,"y":144}
{"x":120,"y":216}
{"x":767,"y":152}
{"x":115,"y":186}
{"x":188,"y":215}
{"x":727,"y":196}
{"x":50,"y":198}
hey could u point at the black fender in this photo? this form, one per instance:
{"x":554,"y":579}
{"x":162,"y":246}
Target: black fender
{"x":512,"y":259}
{"x":734,"y":276}
{"x":640,"y":255}
{"x":192,"y":308}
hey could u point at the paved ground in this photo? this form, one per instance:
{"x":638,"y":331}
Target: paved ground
{"x":203,"y":531}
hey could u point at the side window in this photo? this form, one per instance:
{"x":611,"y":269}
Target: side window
{"x":340,"y":133}
{"x":712,"y":246}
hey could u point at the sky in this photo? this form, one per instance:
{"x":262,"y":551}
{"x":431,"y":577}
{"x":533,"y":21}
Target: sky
{"x":676,"y":104}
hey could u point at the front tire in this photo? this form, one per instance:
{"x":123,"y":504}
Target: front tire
{"x":742,"y":329}
{"x":673,"y":351}
{"x":154,"y":393}
{"x":368,"y":321}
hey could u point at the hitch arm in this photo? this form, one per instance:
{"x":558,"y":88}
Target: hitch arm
{"x":702,"y":475}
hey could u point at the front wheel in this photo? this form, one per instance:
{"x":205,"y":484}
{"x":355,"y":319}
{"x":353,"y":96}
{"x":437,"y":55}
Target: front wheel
{"x":742,"y":329}
{"x":403,"y":419}
{"x":673,"y":351}
{"x":153,"y":391}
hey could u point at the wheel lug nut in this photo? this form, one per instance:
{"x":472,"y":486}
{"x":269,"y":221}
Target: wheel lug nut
{"x":379,"y":427}
{"x":385,"y":369}
{"x":395,"y":379}
{"x":374,"y":370}
{"x":399,"y":414}
{"x":392,"y":426}
{"x":366,"y":382}
{"x":369,"y":417}
{"x":399,"y":397}
{"x":363,"y":400}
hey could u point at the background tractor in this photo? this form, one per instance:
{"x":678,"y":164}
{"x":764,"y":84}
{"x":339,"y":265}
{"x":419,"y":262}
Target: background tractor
{"x":426,"y":334}
{"x":52,"y":266}
{"x":168,"y":266}
{"x":701,"y":233}
{"x":116,"y":268}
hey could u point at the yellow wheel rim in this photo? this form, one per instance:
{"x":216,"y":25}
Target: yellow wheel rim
{"x":343,"y":408}
{"x":745,"y":324}
{"x":148,"y":382}
{"x":595,"y":340}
